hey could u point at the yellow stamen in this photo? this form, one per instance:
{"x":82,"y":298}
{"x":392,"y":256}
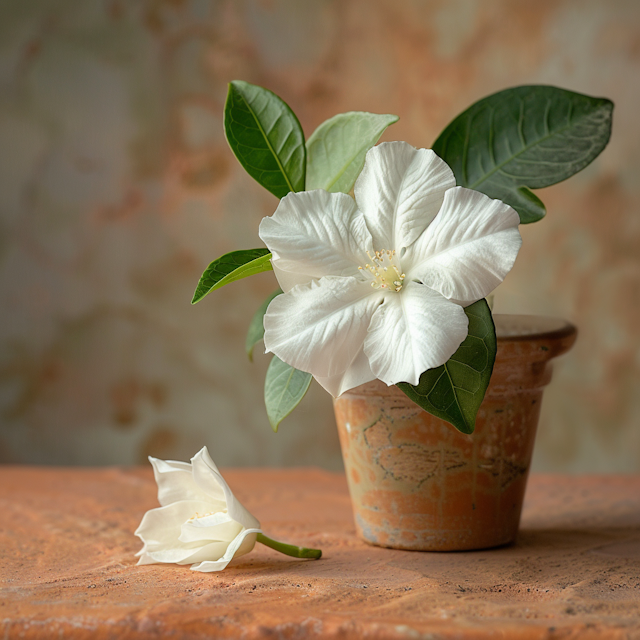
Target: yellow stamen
{"x":384,"y":271}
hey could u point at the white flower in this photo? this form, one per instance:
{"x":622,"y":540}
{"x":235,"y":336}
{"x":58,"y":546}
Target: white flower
{"x":375,"y":288}
{"x":200,"y":520}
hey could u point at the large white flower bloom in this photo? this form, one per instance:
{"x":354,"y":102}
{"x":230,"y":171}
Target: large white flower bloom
{"x":200,"y":521}
{"x":375,"y":288}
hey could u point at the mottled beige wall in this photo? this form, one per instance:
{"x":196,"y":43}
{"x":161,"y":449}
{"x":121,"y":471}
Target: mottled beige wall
{"x":117,"y":188}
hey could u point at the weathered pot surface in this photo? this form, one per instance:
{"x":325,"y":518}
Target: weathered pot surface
{"x":417,"y":483}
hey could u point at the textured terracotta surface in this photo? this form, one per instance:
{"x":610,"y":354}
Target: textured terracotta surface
{"x":66,"y":552}
{"x":117,"y":189}
{"x":418,"y":483}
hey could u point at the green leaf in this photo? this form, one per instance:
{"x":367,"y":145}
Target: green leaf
{"x":231,"y":267}
{"x":525,"y":138}
{"x":336,"y":149}
{"x":284,"y":387}
{"x":256,"y":328}
{"x":455,"y":390}
{"x":266,"y":137}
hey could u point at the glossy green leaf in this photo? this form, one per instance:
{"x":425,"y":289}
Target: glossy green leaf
{"x":284,"y":388}
{"x":266,"y":137}
{"x":337,"y":148}
{"x":525,"y":138}
{"x":455,"y":390}
{"x":256,"y":328}
{"x":231,"y":267}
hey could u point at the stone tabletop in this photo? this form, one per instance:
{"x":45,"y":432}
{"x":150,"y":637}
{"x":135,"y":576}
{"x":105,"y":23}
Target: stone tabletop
{"x":68,"y":567}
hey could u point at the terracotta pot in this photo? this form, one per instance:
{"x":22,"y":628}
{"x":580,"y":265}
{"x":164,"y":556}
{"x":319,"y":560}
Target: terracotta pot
{"x":418,"y":483}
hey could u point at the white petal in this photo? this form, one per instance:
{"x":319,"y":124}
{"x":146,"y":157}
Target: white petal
{"x":414,"y":330}
{"x":358,"y":373}
{"x":320,"y":327}
{"x":217,"y":527}
{"x":243,"y":544}
{"x":160,"y":527}
{"x":175,"y":482}
{"x":468,"y":249}
{"x":210,"y":480}
{"x":287,"y":279}
{"x":145,"y":558}
{"x":400,"y":191}
{"x":160,"y":530}
{"x":182,"y":554}
{"x":314,"y":233}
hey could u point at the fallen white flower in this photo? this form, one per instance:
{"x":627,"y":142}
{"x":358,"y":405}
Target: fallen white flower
{"x":200,"y":522}
{"x":375,"y":288}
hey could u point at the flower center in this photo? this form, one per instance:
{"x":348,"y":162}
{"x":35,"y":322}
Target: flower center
{"x":198,"y":515}
{"x":384,"y":271}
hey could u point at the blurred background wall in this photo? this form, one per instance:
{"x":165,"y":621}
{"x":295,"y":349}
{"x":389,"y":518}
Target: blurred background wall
{"x":117,"y":188}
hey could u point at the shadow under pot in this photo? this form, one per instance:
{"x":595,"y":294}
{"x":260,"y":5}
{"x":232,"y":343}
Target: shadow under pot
{"x":418,"y":483}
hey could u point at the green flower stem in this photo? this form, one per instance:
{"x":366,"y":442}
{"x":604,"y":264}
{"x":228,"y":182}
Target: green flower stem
{"x":289,"y":549}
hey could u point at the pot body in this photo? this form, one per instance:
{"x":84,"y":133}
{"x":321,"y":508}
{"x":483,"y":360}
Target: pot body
{"x":417,"y":483}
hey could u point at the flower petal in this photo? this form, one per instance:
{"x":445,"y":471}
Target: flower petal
{"x":175,"y":482}
{"x":182,"y":554}
{"x":314,"y":233}
{"x":287,"y":279}
{"x":160,"y":530}
{"x":356,"y":374}
{"x":216,"y":527}
{"x":320,"y":327}
{"x":415,"y":330}
{"x":160,"y":527}
{"x":243,"y":544}
{"x":400,"y":191}
{"x":210,"y":480}
{"x":468,"y":249}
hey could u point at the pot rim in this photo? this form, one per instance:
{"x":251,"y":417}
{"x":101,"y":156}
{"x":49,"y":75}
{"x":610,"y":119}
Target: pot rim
{"x":532,"y":338}
{"x":519,"y":327}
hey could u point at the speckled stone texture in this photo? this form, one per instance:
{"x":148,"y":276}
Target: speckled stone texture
{"x":68,"y":571}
